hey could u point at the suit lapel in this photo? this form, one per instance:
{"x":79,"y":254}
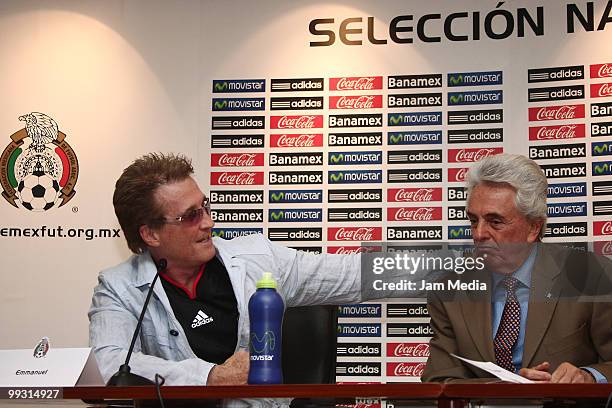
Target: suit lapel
{"x":543,"y":298}
{"x":477,"y":316}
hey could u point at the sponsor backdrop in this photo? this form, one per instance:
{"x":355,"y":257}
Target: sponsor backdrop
{"x":321,"y":125}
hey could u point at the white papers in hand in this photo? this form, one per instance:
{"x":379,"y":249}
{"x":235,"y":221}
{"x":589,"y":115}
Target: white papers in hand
{"x":496,"y":370}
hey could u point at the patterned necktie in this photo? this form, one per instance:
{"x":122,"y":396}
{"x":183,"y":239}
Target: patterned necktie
{"x":508,"y":330}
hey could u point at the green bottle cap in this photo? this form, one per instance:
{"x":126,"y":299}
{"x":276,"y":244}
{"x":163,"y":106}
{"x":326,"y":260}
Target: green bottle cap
{"x":266,"y":281}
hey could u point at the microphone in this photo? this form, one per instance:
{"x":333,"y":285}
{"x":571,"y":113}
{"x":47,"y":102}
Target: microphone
{"x":124,"y":377}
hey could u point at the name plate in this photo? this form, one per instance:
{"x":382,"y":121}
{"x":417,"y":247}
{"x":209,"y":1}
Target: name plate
{"x":59,"y":367}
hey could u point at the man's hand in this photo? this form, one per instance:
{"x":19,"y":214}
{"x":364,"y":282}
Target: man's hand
{"x":538,"y":373}
{"x":565,"y":373}
{"x":568,"y":373}
{"x":234,"y":371}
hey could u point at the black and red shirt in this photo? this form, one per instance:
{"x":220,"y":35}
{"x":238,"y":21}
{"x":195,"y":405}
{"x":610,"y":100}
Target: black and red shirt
{"x":209,"y":317}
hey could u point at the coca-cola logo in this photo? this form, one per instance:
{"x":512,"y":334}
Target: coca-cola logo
{"x":565,"y":112}
{"x":473,"y":155}
{"x":421,"y":194}
{"x":346,"y":250}
{"x":603,"y":247}
{"x":356,"y":102}
{"x":237,"y":160}
{"x":358,"y":234}
{"x":606,"y":228}
{"x":557,"y":132}
{"x":365,"y":405}
{"x":457,"y":175}
{"x":296,"y":140}
{"x":408,"y":350}
{"x":605,"y":90}
{"x":413,"y":214}
{"x":356,"y":84}
{"x":605,"y":70}
{"x":236,"y":178}
{"x":301,"y":122}
{"x":354,"y":233}
{"x":406,"y":369}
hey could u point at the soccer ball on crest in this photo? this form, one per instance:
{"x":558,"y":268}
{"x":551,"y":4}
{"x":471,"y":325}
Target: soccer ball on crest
{"x":38,"y":191}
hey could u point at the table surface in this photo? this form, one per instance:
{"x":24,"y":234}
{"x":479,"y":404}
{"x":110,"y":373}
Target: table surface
{"x":349,"y":395}
{"x":405,"y":390}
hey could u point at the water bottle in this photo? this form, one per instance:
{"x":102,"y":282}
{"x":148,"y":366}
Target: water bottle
{"x":266,"y":310}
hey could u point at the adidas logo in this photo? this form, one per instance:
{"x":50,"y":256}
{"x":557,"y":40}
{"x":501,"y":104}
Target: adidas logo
{"x":201,"y":319}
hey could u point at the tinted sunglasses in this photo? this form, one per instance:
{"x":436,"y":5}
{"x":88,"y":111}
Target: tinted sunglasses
{"x":192,"y":216}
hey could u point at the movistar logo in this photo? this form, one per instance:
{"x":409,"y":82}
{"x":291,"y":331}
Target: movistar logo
{"x":459,"y":232}
{"x":277,"y":215}
{"x":396,"y":138}
{"x":415,"y":119}
{"x":336,"y":177}
{"x":230,"y":233}
{"x":295,"y":196}
{"x":355,"y":176}
{"x":395,"y":119}
{"x":456,"y":99}
{"x":456,"y":233}
{"x":239,"y":85}
{"x":265,"y":344}
{"x":475,"y":78}
{"x":222,"y":104}
{"x":455,"y":79}
{"x":599,"y":169}
{"x":337,"y":158}
{"x":602,"y":148}
{"x":221,"y":86}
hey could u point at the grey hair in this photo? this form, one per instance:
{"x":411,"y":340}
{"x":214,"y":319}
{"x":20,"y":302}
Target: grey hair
{"x":522,"y":174}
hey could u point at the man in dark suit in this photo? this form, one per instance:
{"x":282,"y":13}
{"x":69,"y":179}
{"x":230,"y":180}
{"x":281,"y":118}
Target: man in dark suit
{"x":533,"y":319}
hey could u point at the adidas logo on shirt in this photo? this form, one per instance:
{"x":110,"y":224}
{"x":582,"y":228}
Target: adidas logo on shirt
{"x":201,"y":319}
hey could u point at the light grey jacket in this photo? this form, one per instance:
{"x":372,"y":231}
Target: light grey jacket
{"x":303,"y":279}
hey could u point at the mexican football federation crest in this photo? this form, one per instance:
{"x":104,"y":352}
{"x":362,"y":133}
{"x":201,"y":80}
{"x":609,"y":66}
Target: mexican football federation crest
{"x":42,"y":348}
{"x":39,"y":169}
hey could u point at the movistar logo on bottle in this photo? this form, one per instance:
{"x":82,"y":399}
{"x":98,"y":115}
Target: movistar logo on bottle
{"x":262,"y":347}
